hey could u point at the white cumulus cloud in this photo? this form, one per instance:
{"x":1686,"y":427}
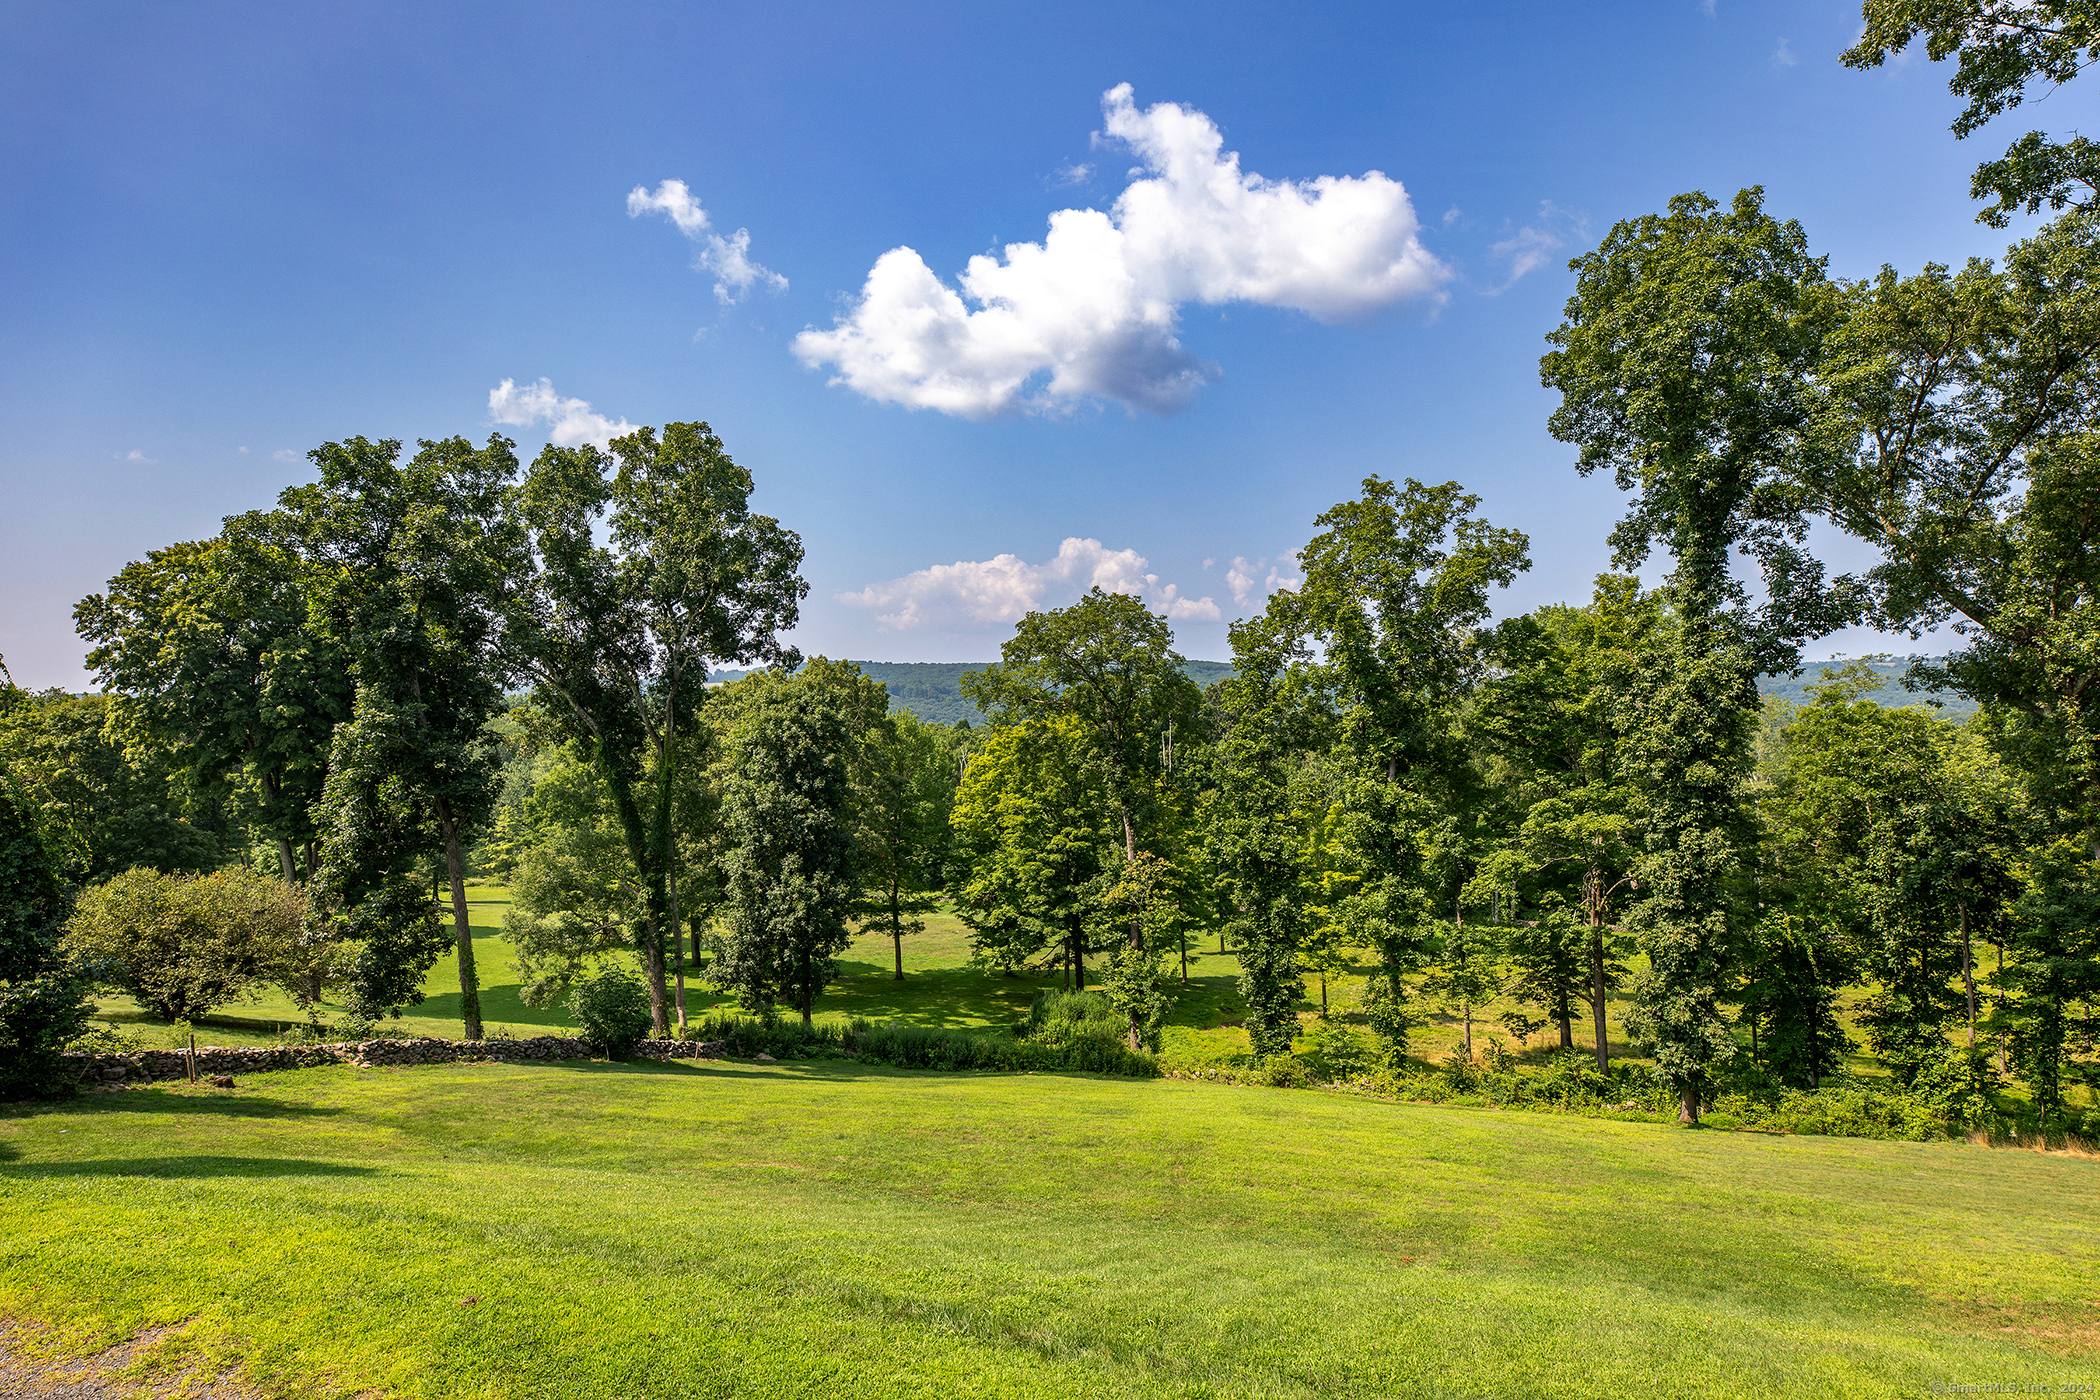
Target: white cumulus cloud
{"x":569,"y":422}
{"x":977,"y":595}
{"x":728,"y":257}
{"x":1093,"y":310}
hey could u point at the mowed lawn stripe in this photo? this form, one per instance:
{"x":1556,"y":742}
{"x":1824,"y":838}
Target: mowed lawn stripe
{"x":733,"y":1229}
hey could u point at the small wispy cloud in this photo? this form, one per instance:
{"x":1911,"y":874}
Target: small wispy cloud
{"x":728,"y":257}
{"x":1068,"y":174}
{"x":569,"y":422}
{"x":1533,"y":246}
{"x":1253,"y":580}
{"x":284,"y":454}
{"x":134,"y":455}
{"x":1706,"y":7}
{"x":1783,"y":56}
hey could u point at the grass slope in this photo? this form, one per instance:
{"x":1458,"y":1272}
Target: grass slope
{"x":676,"y":1231}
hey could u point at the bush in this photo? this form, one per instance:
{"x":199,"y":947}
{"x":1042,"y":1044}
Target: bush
{"x":1333,"y":1052}
{"x":39,"y":1016}
{"x":922,"y":1047}
{"x":182,"y":945}
{"x":43,"y":996}
{"x":612,"y":1009}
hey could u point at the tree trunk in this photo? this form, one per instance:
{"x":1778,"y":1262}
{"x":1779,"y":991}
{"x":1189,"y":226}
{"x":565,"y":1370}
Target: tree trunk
{"x":653,"y":968}
{"x":1968,"y":975}
{"x":897,"y":928}
{"x":463,"y":930}
{"x":678,"y":972}
{"x":1137,"y":927}
{"x":1184,"y":957}
{"x":284,"y":860}
{"x":1567,"y":1031}
{"x":1597,"y":998}
{"x":1688,"y":1105}
{"x":808,"y":994}
{"x":2001,"y":1002}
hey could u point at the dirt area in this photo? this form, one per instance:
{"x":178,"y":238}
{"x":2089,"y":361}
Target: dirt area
{"x":151,"y":1366}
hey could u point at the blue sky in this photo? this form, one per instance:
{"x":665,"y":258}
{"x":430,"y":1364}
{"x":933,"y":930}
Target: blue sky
{"x":234,"y":232}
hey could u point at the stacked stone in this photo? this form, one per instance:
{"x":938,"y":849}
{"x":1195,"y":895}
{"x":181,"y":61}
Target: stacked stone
{"x":681,"y":1049}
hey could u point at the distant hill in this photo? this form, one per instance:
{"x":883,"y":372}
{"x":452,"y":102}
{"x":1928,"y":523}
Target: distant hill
{"x":932,"y":690}
{"x":1892,"y":693}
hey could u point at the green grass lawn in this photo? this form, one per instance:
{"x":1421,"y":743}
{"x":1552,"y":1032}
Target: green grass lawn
{"x":632,"y":1231}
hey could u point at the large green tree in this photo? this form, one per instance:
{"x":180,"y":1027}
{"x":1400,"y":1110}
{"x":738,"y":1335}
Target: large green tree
{"x":906,"y":784}
{"x":1685,"y":365}
{"x":1395,"y":598}
{"x":1258,"y":825}
{"x":413,"y":565}
{"x":1552,"y":713}
{"x":1035,"y":848}
{"x":1107,"y":664}
{"x":1958,"y":421}
{"x":789,"y":882}
{"x":652,"y":566}
{"x":207,"y":655}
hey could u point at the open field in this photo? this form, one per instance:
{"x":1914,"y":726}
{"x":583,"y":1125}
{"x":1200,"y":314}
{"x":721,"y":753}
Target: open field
{"x":733,"y":1229}
{"x":941,"y":988}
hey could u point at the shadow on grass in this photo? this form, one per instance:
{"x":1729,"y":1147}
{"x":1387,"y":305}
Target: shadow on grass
{"x":193,"y":1165}
{"x":219,"y":1104}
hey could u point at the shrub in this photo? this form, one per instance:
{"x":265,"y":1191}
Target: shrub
{"x":43,"y":996}
{"x":922,"y":1047}
{"x":612,"y":1009}
{"x":39,"y":1016}
{"x":184,"y":944}
{"x":1334,"y":1052}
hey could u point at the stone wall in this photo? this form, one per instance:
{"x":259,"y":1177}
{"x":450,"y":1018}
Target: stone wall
{"x":141,"y":1066}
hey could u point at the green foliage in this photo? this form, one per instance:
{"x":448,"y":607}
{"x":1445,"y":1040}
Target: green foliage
{"x":1257,"y":829}
{"x":789,"y":877}
{"x":1104,"y":674}
{"x":575,"y":894}
{"x":904,"y":787}
{"x":1035,"y":847}
{"x":411,"y":566}
{"x":1091,"y":1044}
{"x":1334,"y":1052}
{"x":646,"y":575}
{"x":1066,"y":1018}
{"x":611,"y":1008}
{"x":43,"y":996}
{"x":209,"y":660}
{"x":185,"y":945}
{"x":2001,"y":48}
{"x":115,"y":806}
{"x":371,"y":891}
